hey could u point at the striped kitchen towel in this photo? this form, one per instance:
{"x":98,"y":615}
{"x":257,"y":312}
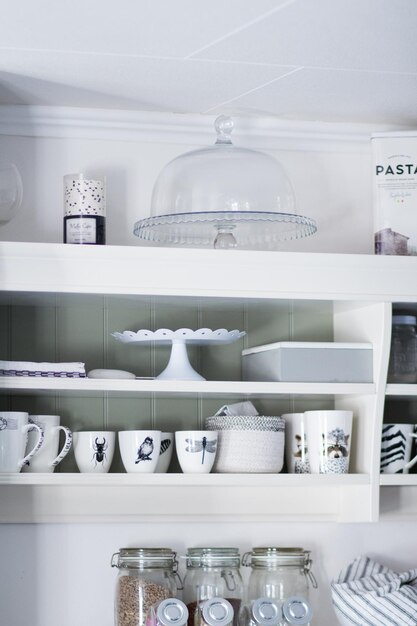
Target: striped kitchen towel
{"x":54,"y":370}
{"x":369,"y":594}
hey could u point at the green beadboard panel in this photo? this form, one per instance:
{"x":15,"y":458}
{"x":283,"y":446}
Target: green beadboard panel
{"x":267,"y":323}
{"x":82,"y":413}
{"x":181,"y":414}
{"x":32,"y":333}
{"x":312,"y":320}
{"x":132,"y":358}
{"x":311,"y":403}
{"x":222,"y":362}
{"x":129,"y":414}
{"x":5,"y":403}
{"x":80,"y":335}
{"x":4,"y":333}
{"x":272,"y":406}
{"x":35,"y":405}
{"x":5,"y":349}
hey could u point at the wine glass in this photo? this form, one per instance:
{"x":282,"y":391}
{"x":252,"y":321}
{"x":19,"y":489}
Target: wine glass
{"x":11,"y":191}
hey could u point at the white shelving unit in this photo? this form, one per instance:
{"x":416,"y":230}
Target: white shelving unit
{"x":361,"y":288}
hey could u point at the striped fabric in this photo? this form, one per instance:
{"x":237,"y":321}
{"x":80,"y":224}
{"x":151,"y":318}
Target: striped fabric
{"x":369,"y":594}
{"x":54,"y":370}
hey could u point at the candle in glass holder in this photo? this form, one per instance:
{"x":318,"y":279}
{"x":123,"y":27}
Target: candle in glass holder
{"x":84,"y":210}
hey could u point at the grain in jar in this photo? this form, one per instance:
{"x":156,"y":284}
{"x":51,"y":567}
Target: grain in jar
{"x":146,"y":577}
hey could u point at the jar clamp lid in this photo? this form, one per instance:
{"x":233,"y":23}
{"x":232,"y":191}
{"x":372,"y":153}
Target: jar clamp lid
{"x":271,"y":557}
{"x":142,"y":558}
{"x":212,"y":557}
{"x":265,"y":612}
{"x":296,"y":610}
{"x":217,"y":612}
{"x":172,"y":612}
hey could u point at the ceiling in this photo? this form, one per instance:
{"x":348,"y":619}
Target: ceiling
{"x":321,"y":60}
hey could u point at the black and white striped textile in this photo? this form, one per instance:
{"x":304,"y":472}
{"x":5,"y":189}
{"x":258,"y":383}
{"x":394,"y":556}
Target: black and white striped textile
{"x":367,"y":593}
{"x":44,"y":370}
{"x":393,"y":448}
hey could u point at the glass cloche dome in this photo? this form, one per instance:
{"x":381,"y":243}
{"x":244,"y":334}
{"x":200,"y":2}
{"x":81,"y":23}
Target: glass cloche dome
{"x":223,"y":196}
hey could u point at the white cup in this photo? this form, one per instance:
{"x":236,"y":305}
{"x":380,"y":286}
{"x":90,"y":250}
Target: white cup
{"x":196,"y":450}
{"x":48,"y":457}
{"x":329,"y":435}
{"x":94,"y":450}
{"x":296,"y":451}
{"x":139,"y":450}
{"x":165,"y":453}
{"x":396,"y":445}
{"x":14,"y":428}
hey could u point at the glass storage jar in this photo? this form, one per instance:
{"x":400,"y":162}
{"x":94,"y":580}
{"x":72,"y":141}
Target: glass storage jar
{"x":403,"y":357}
{"x":277,"y":574}
{"x":146,"y":577}
{"x":212,"y":572}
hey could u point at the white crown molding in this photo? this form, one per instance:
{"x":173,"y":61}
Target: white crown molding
{"x":191,"y":129}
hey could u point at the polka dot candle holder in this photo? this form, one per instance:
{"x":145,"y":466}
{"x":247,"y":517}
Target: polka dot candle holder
{"x":84,"y":209}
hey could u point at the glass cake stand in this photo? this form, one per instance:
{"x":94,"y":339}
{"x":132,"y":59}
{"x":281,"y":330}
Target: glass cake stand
{"x":179,"y":366}
{"x":224,"y":197}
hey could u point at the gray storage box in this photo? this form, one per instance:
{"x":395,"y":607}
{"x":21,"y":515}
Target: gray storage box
{"x":293,"y":361}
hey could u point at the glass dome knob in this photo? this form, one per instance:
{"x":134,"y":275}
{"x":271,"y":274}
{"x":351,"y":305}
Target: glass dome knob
{"x":223,"y":126}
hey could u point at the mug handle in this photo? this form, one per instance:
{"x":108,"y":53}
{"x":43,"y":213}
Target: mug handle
{"x":36,"y":447}
{"x":65,"y":448}
{"x":414,"y":460}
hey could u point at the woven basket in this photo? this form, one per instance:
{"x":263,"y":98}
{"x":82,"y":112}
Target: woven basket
{"x":249,"y":451}
{"x":245,"y":422}
{"x":248,"y":443}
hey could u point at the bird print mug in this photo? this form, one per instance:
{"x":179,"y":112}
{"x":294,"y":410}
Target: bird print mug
{"x":139,"y":450}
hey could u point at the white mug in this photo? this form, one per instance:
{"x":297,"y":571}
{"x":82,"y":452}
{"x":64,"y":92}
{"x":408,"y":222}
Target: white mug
{"x":14,"y":428}
{"x":48,"y":457}
{"x":329,"y":435}
{"x":196,"y":450}
{"x":296,"y":451}
{"x":165,"y":453}
{"x":139,"y":450}
{"x":94,"y":450}
{"x":396,"y":445}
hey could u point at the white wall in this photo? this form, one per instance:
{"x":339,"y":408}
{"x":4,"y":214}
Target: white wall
{"x":61,"y":573}
{"x":332,"y":183}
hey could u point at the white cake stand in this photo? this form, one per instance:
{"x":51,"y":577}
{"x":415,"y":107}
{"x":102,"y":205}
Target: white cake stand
{"x":179,"y":367}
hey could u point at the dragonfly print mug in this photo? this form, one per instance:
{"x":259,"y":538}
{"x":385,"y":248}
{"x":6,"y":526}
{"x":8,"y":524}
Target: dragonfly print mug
{"x":196,"y":450}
